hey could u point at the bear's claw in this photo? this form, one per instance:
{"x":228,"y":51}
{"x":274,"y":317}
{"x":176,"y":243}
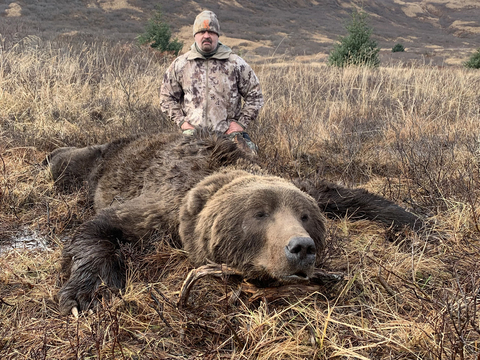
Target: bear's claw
{"x":75,"y":312}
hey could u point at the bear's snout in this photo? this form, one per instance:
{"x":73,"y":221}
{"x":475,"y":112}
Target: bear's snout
{"x":300,"y":253}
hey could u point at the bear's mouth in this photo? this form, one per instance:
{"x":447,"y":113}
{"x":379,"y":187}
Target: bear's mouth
{"x":298,"y":276}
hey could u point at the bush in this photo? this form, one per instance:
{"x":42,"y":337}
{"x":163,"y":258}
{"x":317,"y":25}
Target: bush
{"x":474,"y":61}
{"x":158,"y":35}
{"x":398,"y":48}
{"x":357,"y":48}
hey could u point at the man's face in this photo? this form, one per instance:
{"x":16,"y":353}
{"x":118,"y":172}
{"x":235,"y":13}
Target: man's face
{"x":206,"y":40}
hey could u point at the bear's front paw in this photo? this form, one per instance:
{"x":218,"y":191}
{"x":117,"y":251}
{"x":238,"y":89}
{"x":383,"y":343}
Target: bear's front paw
{"x":74,"y":297}
{"x":68,"y":306}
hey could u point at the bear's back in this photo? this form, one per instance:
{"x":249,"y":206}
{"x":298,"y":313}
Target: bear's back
{"x":166,"y":163}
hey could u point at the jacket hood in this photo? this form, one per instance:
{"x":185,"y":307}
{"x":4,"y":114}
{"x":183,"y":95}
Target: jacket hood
{"x":223,"y":52}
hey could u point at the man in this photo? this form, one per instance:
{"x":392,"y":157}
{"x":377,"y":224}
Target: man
{"x":204,"y":87}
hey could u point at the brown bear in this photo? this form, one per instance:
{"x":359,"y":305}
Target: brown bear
{"x":208,"y":196}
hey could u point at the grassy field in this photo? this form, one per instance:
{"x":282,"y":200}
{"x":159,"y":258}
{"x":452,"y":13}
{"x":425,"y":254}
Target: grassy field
{"x":410,"y":134}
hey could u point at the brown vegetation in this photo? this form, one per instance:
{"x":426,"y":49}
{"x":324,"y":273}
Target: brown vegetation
{"x":433,"y":31}
{"x":407,"y":133}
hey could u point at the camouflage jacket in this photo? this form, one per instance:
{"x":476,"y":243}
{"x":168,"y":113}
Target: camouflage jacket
{"x":209,"y":92}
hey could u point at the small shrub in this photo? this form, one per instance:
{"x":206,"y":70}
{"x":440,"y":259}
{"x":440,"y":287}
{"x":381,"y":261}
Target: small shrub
{"x":357,"y":48}
{"x":398,"y":48}
{"x":158,"y":35}
{"x":474,"y":61}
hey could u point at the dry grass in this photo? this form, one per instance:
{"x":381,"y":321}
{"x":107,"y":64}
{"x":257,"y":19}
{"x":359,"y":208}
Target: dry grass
{"x":410,"y":134}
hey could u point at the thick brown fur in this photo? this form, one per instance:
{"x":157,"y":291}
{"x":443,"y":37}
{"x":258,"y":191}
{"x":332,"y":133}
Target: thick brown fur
{"x":206,"y":195}
{"x":246,"y":221}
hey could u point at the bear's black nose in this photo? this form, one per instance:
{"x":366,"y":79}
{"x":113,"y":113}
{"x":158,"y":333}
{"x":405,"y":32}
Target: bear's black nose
{"x":301,"y":252}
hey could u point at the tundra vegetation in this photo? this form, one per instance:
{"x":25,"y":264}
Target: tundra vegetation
{"x":408,"y":133}
{"x":473,"y":61}
{"x":358,"y":47}
{"x":398,"y":47}
{"x":158,"y":35}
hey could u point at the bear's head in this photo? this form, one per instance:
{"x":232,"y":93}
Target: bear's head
{"x":263,"y":226}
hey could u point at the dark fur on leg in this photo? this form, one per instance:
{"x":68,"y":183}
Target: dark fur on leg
{"x":91,"y":259}
{"x":94,"y":255}
{"x":357,"y":204}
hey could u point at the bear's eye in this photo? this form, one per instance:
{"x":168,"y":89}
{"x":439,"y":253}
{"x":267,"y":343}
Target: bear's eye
{"x":261,"y":215}
{"x":304,"y":217}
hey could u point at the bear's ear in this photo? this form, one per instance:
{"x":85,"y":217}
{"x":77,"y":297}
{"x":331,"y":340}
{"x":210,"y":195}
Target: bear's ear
{"x":195,"y":200}
{"x":197,"y":197}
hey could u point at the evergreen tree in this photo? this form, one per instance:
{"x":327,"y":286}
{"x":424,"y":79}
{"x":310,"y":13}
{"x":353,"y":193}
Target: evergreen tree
{"x":398,"y":48}
{"x":357,"y":48}
{"x":474,"y":61}
{"x":158,"y":35}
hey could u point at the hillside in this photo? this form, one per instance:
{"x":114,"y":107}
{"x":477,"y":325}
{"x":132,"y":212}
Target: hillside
{"x":438,"y":31}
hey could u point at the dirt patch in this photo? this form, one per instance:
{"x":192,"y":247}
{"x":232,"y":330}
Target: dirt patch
{"x":110,"y":5}
{"x":14,"y":10}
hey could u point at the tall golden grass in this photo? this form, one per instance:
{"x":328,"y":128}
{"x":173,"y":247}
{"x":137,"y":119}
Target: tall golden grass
{"x":410,"y":134}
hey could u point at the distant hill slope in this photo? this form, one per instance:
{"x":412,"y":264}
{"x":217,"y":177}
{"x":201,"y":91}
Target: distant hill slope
{"x":442,"y":31}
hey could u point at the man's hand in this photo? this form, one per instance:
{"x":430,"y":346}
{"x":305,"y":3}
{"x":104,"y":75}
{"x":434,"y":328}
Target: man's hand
{"x":187,"y":129}
{"x":234,"y":127}
{"x":187,"y":126}
{"x":244,"y":142}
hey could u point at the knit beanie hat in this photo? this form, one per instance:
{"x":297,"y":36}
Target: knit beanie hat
{"x":206,"y":21}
